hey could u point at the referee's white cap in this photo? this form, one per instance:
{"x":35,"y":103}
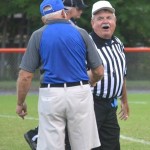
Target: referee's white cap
{"x":101,"y":5}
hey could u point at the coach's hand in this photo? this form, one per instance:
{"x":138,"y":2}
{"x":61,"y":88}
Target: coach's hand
{"x":21,"y":110}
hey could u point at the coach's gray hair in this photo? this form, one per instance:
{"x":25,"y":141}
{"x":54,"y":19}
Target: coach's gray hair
{"x":52,"y":16}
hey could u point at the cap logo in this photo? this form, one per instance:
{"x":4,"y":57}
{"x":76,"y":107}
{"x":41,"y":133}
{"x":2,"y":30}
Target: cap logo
{"x":47,"y":9}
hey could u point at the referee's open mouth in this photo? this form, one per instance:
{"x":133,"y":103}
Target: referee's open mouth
{"x":105,"y":26}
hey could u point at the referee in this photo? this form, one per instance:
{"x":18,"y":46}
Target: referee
{"x":113,"y":85}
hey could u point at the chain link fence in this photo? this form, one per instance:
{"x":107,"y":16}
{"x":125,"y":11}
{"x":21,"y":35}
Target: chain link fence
{"x":137,"y":65}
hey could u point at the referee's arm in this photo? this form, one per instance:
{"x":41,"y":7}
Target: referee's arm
{"x":124,"y":112}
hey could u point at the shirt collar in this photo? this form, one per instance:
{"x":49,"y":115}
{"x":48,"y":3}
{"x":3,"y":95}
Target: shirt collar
{"x":57,"y":21}
{"x":100,"y":41}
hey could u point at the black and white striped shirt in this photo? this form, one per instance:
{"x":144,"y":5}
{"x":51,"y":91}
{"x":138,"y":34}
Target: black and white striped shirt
{"x":113,"y":57}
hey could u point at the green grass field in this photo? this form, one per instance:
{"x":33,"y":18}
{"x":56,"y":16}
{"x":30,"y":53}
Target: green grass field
{"x":135,"y":132}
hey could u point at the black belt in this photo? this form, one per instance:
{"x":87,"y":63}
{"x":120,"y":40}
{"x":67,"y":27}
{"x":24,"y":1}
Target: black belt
{"x":68,"y":84}
{"x":98,"y":98}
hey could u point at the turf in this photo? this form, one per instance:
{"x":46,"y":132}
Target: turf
{"x":135,"y":132}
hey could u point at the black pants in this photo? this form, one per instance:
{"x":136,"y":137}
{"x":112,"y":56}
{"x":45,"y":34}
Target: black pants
{"x":108,"y":127}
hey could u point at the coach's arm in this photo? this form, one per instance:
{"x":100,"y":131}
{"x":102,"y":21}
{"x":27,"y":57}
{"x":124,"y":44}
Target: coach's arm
{"x":95,"y":75}
{"x":23,"y":85}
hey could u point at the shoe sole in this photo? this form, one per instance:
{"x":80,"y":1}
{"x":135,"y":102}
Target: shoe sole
{"x":29,"y":141}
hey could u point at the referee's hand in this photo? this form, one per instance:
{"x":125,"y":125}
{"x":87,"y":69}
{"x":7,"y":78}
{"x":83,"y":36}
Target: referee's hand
{"x":124,"y":112}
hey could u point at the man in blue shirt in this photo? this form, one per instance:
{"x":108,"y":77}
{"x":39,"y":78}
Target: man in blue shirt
{"x":74,"y":10}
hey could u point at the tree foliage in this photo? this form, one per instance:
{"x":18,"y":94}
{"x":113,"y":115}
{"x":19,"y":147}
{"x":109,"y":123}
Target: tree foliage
{"x":132,"y":18}
{"x":132,"y":21}
{"x":29,"y":7}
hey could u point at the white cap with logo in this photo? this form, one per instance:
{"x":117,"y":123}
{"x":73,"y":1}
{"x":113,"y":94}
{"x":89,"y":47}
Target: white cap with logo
{"x":100,"y":5}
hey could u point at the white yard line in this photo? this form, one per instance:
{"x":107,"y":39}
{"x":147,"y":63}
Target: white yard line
{"x":138,"y":102}
{"x":15,"y":117}
{"x":134,"y":140}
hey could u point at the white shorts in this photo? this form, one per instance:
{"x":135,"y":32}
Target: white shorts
{"x":71,"y":105}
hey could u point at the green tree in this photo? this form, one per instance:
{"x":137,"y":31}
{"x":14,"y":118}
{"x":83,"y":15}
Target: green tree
{"x":132,"y":17}
{"x":132,"y":20}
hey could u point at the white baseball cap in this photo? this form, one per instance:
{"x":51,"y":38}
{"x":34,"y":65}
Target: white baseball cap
{"x":100,"y":5}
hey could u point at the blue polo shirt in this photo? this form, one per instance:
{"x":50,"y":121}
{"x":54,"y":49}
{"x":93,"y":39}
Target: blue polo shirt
{"x":61,"y":52}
